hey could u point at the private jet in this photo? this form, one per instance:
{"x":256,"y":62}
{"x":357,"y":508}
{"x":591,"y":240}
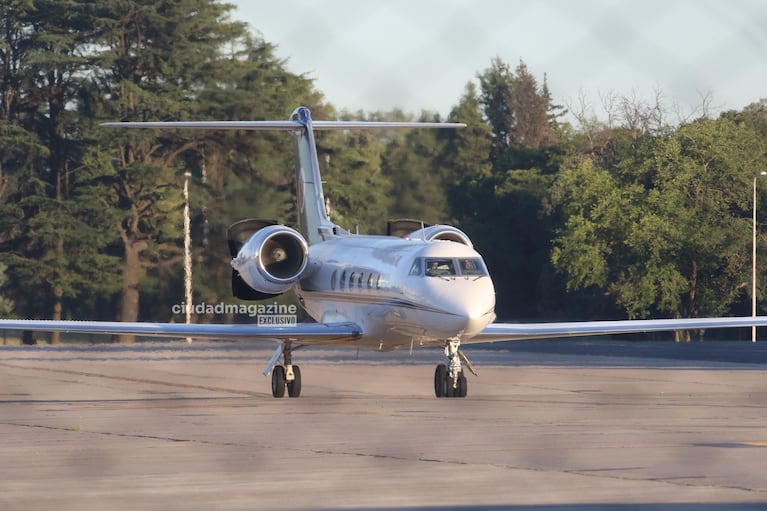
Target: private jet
{"x":417,"y":286}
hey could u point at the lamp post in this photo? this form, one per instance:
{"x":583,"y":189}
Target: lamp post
{"x":753,"y":261}
{"x":187,"y":253}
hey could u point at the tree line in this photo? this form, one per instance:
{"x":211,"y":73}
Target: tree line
{"x":578,"y":216}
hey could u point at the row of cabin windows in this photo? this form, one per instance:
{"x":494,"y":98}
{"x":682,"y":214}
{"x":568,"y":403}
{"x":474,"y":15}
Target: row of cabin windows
{"x":355,"y":280}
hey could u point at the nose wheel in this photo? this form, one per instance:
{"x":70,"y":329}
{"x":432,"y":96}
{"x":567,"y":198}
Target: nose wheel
{"x":443,"y":383}
{"x":449,"y":380}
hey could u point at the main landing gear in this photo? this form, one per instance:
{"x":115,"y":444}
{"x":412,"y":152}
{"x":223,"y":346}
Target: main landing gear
{"x":449,"y":380}
{"x":286,"y":376}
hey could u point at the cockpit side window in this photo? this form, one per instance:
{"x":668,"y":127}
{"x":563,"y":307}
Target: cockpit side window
{"x":416,"y":268}
{"x":472,"y":267}
{"x":439,"y":267}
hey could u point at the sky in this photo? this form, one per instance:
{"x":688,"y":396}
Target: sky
{"x":420,"y":54}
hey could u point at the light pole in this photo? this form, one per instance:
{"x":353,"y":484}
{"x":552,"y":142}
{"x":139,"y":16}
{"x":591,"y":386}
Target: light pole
{"x":187,"y":253}
{"x":753,"y":261}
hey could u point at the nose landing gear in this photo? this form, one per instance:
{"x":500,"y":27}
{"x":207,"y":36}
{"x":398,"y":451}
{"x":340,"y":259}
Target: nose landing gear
{"x":449,"y":380}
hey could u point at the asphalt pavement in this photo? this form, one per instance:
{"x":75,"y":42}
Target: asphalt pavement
{"x":547,"y":426}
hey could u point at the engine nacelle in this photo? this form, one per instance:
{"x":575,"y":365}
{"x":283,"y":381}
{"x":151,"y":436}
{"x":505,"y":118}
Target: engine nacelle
{"x":441,"y":232}
{"x":273,"y":259}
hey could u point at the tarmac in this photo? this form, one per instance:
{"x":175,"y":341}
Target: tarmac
{"x":558,"y":426}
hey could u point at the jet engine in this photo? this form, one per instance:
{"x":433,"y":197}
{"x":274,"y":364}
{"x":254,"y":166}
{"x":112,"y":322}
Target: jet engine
{"x":270,"y":261}
{"x":441,"y":232}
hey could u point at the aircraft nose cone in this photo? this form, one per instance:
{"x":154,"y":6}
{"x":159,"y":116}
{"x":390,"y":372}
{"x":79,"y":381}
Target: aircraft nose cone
{"x":476,"y":320}
{"x":475,"y":309}
{"x":460,"y":307}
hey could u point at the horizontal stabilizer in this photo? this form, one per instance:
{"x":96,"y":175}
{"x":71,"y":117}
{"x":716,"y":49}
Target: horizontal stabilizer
{"x":278,"y":125}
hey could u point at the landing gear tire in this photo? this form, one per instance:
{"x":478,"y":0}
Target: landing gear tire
{"x":443,"y":384}
{"x":278,"y":381}
{"x":463,"y":386}
{"x":440,"y":381}
{"x":449,"y":380}
{"x":294,"y":387}
{"x":459,"y":390}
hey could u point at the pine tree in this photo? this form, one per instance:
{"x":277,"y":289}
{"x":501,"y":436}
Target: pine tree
{"x":156,"y":61}
{"x":244,"y":174}
{"x":418,"y":184}
{"x":48,"y":244}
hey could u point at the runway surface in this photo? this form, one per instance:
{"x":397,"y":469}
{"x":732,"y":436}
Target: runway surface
{"x":549,"y":427}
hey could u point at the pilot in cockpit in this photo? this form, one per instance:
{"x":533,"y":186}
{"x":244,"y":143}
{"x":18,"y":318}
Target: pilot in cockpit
{"x":440,"y":268}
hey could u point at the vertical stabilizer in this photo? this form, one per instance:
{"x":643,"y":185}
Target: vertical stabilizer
{"x":313,"y":221}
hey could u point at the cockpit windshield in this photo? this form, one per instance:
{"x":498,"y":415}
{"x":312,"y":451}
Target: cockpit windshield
{"x":448,"y":267}
{"x":472,"y":267}
{"x":439,"y":267}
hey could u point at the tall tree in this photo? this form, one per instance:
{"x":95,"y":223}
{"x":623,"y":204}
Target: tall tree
{"x":523,"y":161}
{"x":156,"y":59}
{"x":529,"y":125}
{"x":519,"y":112}
{"x":355,"y":188}
{"x":467,"y":153}
{"x":667,"y":232}
{"x":244,"y":174}
{"x":467,"y":150}
{"x":495,"y":90}
{"x":417,"y":180}
{"x":49,"y":247}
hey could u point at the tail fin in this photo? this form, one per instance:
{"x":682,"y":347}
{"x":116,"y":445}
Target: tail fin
{"x":314,"y":223}
{"x":313,"y":220}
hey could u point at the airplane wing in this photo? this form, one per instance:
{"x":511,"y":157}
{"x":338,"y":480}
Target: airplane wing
{"x":340,"y":333}
{"x":301,"y":333}
{"x":526,"y":331}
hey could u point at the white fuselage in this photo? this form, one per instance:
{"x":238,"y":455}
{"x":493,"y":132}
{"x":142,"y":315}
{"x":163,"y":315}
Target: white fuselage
{"x":383,"y":284}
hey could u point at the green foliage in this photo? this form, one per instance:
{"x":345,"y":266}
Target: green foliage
{"x":155,"y":64}
{"x":355,"y":189}
{"x":418,"y":184}
{"x":242,"y":175}
{"x":519,"y":112}
{"x":667,"y":231}
{"x":504,"y":166}
{"x":609,"y":218}
{"x":48,"y":239}
{"x":6,"y":304}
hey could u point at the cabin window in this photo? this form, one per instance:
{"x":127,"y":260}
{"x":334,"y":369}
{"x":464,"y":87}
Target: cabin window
{"x":383,"y":282}
{"x":342,"y":282}
{"x":333,"y":282}
{"x":351,"y":279}
{"x":360,"y":279}
{"x":370,"y":281}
